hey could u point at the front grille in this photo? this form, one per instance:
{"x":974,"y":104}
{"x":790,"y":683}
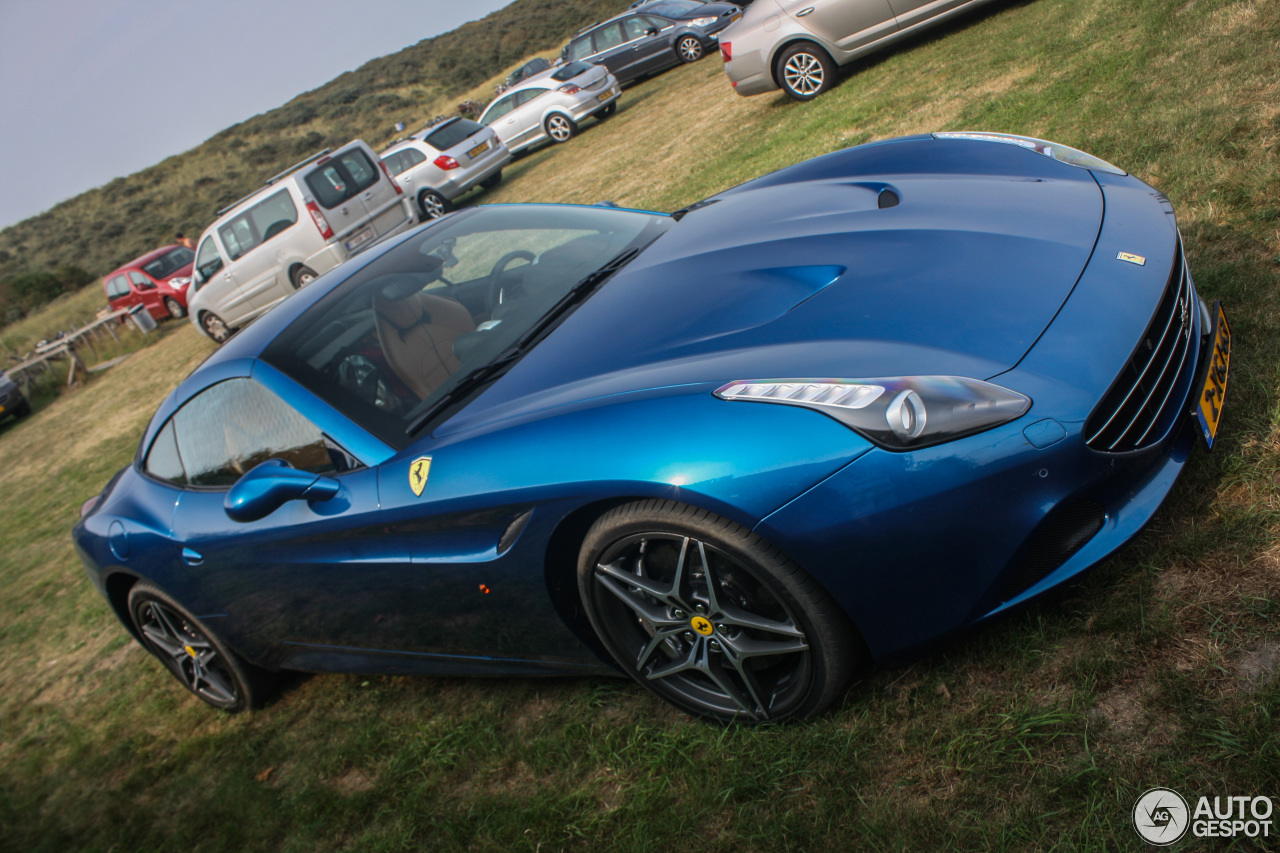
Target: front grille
{"x":1143,"y":401}
{"x":1065,"y":531}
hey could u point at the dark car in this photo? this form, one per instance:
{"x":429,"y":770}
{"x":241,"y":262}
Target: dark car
{"x":732,"y":456}
{"x":534,"y":66}
{"x":12,"y":401}
{"x":645,"y":41}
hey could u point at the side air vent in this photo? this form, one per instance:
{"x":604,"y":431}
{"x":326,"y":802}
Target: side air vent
{"x":1064,"y":532}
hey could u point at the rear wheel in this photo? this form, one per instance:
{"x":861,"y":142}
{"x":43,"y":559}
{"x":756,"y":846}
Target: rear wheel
{"x":192,"y":654}
{"x":689,"y":48}
{"x":492,"y":181}
{"x":214,"y":327}
{"x":560,"y":128}
{"x":432,"y":204}
{"x":710,"y":617}
{"x":302,"y":276}
{"x":805,"y":71}
{"x":174,"y":307}
{"x":607,"y":111}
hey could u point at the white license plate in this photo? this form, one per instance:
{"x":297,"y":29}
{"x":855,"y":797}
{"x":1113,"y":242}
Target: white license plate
{"x":360,"y":239}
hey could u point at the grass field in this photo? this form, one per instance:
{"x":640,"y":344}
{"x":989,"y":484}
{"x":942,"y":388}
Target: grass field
{"x":1038,"y":733}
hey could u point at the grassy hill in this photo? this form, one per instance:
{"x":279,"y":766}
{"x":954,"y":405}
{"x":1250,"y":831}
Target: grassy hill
{"x":1038,"y":733}
{"x":109,"y":225}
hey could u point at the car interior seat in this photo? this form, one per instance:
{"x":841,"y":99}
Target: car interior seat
{"x":416,"y":333}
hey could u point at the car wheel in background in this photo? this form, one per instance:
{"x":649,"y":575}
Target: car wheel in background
{"x":689,"y":48}
{"x":23,"y":409}
{"x":432,"y":204}
{"x":560,"y":128}
{"x":492,"y":181}
{"x":174,"y":307}
{"x":607,"y":111}
{"x":710,"y":617}
{"x":192,"y":654}
{"x":805,"y":71}
{"x":214,"y":327}
{"x":302,"y":276}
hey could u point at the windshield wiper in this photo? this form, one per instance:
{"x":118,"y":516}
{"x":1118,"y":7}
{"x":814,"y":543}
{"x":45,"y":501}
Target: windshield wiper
{"x":488,"y":372}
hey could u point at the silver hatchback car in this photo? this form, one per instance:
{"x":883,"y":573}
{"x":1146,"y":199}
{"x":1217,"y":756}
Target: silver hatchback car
{"x":439,"y":164}
{"x":552,"y":104}
{"x":795,"y":45}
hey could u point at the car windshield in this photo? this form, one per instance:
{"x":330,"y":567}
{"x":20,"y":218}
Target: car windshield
{"x":405,"y":338}
{"x":169,"y":263}
{"x":673,"y":8}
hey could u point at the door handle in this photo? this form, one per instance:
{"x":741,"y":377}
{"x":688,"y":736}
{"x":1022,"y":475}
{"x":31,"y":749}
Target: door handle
{"x":804,"y":11}
{"x":192,"y":558}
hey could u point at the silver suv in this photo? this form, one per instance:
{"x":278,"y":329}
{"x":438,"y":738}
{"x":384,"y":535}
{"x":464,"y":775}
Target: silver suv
{"x":304,"y":222}
{"x":550,"y":105}
{"x":795,"y":45}
{"x":444,"y":161}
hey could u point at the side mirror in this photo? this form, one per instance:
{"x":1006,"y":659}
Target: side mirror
{"x":271,"y":485}
{"x":652,"y":31}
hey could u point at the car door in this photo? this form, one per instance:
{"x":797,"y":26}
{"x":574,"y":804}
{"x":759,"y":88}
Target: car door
{"x":145,"y":292}
{"x":119,"y":293}
{"x":911,"y":12}
{"x":256,"y":285}
{"x":611,"y":50}
{"x":649,"y":47}
{"x":513,"y":126}
{"x":847,"y":24}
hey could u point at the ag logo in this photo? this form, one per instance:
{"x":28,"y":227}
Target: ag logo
{"x":419,"y":470}
{"x":1161,"y":816}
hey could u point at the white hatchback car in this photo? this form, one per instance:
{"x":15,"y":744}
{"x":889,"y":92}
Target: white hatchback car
{"x":552,"y":104}
{"x":444,"y":161}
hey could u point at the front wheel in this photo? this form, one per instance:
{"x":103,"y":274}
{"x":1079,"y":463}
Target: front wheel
{"x":560,"y":128}
{"x":216,"y":675}
{"x":689,"y":49}
{"x":214,"y":326}
{"x":710,"y":617}
{"x":805,"y":71}
{"x":432,"y":204}
{"x":174,"y":307}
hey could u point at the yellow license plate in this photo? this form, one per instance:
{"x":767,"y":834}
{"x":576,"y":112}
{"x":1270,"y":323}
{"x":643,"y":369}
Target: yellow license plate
{"x":1214,"y":391}
{"x":479,"y":149}
{"x":604,"y":96}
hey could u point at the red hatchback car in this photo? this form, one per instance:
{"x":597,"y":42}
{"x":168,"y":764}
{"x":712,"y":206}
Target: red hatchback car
{"x":157,"y":280}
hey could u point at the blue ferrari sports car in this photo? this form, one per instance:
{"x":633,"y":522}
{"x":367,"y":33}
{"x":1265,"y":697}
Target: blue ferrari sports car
{"x":825,"y":417}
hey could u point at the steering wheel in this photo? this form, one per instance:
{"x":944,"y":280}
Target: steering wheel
{"x":493,"y":288}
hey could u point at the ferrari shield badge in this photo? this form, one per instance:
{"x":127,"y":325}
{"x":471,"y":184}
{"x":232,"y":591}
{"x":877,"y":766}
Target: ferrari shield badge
{"x":419,"y":470}
{"x":1132,"y":258}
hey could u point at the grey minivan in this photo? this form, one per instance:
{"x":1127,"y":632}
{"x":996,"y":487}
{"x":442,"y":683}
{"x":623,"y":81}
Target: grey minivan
{"x":652,"y":38}
{"x":303,"y":223}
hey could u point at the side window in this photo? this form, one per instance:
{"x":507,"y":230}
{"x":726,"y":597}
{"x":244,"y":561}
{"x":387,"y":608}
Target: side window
{"x":395,"y":163}
{"x":140,"y":280}
{"x":412,"y":157}
{"x":607,"y":37}
{"x":635,"y":27}
{"x":208,"y":261}
{"x":223,"y":432}
{"x":526,"y":95}
{"x":237,"y":235}
{"x":579,"y":48}
{"x":116,"y":287}
{"x":272,"y":215}
{"x":657,"y":23}
{"x":501,"y":107}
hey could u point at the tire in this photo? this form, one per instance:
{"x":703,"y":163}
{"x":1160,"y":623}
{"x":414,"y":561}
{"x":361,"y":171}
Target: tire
{"x":689,"y":49}
{"x":302,"y":276}
{"x":560,"y":127}
{"x":805,"y":71}
{"x":214,"y":327}
{"x":23,"y":409}
{"x":194,"y":655}
{"x":761,"y":642}
{"x":492,"y":181}
{"x":432,"y":205}
{"x":607,"y":111}
{"x":174,"y":307}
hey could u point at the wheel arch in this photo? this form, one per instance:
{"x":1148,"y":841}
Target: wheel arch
{"x":781,"y":47}
{"x":117,"y":586}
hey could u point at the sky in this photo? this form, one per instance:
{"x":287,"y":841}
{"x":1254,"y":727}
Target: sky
{"x":92,"y":90}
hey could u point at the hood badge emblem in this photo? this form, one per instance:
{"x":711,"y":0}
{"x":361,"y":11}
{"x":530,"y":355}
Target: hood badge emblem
{"x":419,"y":470}
{"x":1132,"y":258}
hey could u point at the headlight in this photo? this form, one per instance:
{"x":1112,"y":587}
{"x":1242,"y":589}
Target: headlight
{"x":180,"y":282}
{"x":703,"y":22}
{"x":898,"y":413}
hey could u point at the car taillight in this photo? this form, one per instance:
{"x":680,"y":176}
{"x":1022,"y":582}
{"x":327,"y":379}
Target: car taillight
{"x":726,"y":51}
{"x":387,"y":172}
{"x":569,"y":89}
{"x":444,"y":161}
{"x":497,"y":140}
{"x":318,"y":218}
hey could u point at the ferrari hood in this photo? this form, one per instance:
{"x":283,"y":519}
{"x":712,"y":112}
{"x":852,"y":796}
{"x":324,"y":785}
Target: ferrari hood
{"x":946,"y":271}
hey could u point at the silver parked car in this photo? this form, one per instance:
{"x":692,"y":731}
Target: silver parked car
{"x":796,"y":45}
{"x":439,"y":164}
{"x":552,"y":104}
